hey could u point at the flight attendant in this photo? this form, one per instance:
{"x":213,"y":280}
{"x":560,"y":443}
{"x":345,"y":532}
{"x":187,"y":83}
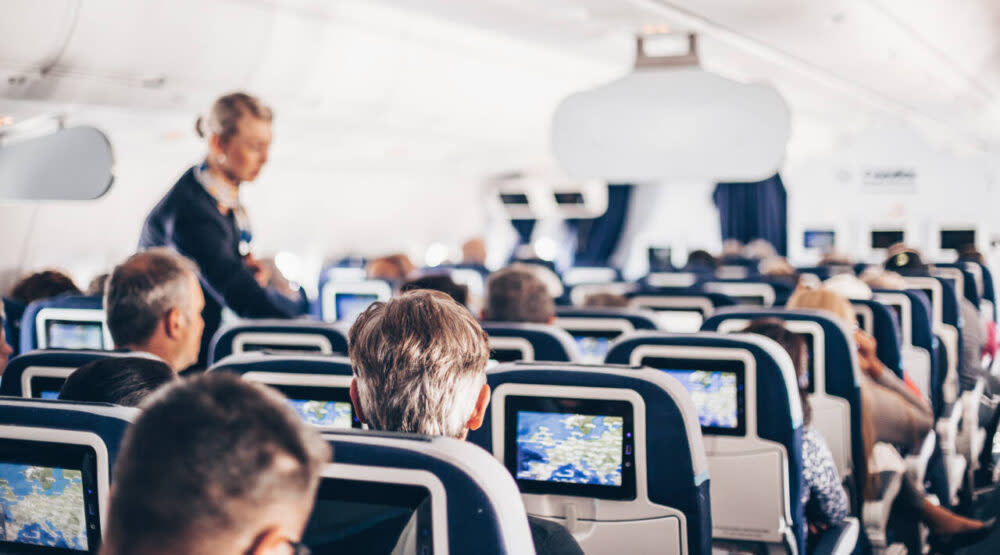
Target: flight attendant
{"x":202,"y":216}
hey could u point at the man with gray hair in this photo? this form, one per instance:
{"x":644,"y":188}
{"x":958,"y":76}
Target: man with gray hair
{"x":214,"y":464}
{"x":153,"y":304}
{"x":420,"y":366}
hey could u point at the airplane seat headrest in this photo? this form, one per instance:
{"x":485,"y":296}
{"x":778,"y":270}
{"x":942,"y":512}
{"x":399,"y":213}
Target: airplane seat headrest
{"x":323,"y":337}
{"x":29,"y":325}
{"x":548,"y":343}
{"x":47,"y":363}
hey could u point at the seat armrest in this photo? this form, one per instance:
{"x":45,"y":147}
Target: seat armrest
{"x":876,"y":512}
{"x":916,"y":463}
{"x":839,"y":540}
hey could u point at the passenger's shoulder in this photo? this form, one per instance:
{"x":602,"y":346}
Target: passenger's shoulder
{"x":551,"y":538}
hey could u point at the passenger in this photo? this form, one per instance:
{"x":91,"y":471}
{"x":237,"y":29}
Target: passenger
{"x":214,"y":464}
{"x":154,"y":304}
{"x":43,"y":285}
{"x":442,"y":283}
{"x":731,"y":249}
{"x":474,"y":252}
{"x":96,"y":286}
{"x":125,"y":381}
{"x":605,"y":300}
{"x":848,"y":286}
{"x":877,"y":278}
{"x":516,"y":294}
{"x":900,"y":414}
{"x":700,"y":261}
{"x":823,"y":497}
{"x":779,"y":269}
{"x":759,"y":249}
{"x":420,"y":366}
{"x":393,"y":268}
{"x":891,"y":412}
{"x":203,"y":218}
{"x":835,"y":258}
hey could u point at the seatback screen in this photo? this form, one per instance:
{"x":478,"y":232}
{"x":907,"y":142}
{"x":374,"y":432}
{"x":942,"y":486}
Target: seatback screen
{"x":46,"y":387}
{"x":72,"y":334}
{"x":818,"y":239}
{"x":885,"y":239}
{"x":679,"y":320}
{"x":569,"y":446}
{"x":954,"y":239}
{"x":324,"y":406}
{"x":593,"y":345}
{"x":351,"y":305}
{"x":282,"y":347}
{"x":717,"y":390}
{"x":47,"y":497}
{"x":659,"y":259}
{"x":355,"y":516}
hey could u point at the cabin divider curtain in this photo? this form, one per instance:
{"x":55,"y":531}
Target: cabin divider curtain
{"x":597,"y":238}
{"x":749,"y":211}
{"x":524,"y":229}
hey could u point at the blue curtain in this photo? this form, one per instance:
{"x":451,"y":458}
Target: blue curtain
{"x":597,"y":238}
{"x":750,"y":211}
{"x":524,"y":229}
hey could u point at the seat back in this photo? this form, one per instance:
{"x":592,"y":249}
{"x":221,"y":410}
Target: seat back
{"x":41,"y":373}
{"x":637,"y":476}
{"x":744,"y":388}
{"x":594,"y":329}
{"x":13,"y":311}
{"x":880,"y":322}
{"x":671,"y":280}
{"x":920,"y":346}
{"x":590,"y":274}
{"x":940,"y":293}
{"x":67,"y":322}
{"x":530,"y":342}
{"x":834,"y":381}
{"x":679,"y":310}
{"x":56,"y":457}
{"x":277,"y":335}
{"x":317,"y":386}
{"x":342,"y":301}
{"x":420,"y":494}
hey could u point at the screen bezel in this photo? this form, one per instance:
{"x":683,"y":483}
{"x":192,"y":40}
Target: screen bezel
{"x":515,"y":403}
{"x":71,"y":456}
{"x":663,"y":363}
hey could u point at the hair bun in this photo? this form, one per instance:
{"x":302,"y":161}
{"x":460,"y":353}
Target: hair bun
{"x":199,"y":127}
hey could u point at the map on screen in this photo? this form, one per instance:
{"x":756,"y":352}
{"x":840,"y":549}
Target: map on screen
{"x":74,"y":335}
{"x":574,"y":448}
{"x":350,"y":306}
{"x":330,"y":414}
{"x":715,"y":395}
{"x":41,"y":505}
{"x":592,"y":349}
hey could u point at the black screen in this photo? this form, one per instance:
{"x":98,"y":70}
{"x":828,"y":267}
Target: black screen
{"x":659,"y":259}
{"x":568,"y":446}
{"x":281,"y":347}
{"x":48,"y":498}
{"x":46,"y":387}
{"x":807,"y":338}
{"x":955,"y":239}
{"x":355,"y":516}
{"x":885,"y":239}
{"x":506,"y":355}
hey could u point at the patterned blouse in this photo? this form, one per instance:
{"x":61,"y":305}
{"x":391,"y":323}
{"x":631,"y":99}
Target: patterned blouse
{"x":822,"y":494}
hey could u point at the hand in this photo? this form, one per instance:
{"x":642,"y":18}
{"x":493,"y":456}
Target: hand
{"x":867,"y":357}
{"x":260,"y":272}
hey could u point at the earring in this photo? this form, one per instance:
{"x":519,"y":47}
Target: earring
{"x":221,"y":159}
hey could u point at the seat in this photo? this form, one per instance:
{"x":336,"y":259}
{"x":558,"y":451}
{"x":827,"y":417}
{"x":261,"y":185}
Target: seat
{"x":671,"y":280}
{"x":756,"y":292}
{"x":41,"y":373}
{"x":67,"y":322}
{"x":69,"y":450}
{"x":744,"y":445}
{"x":343,"y":301}
{"x":511,"y":342}
{"x":679,"y":310}
{"x":594,"y":329}
{"x":649,"y":489}
{"x":277,"y":335}
{"x":317,"y":386}
{"x":879,"y":321}
{"x":590,"y":275}
{"x":428,"y":495}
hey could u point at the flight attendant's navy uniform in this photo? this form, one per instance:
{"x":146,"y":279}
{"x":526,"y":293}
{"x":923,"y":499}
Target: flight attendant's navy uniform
{"x":188,"y":220}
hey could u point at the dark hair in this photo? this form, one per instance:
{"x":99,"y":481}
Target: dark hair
{"x":442,"y":283}
{"x":96,"y":286}
{"x":906,"y":261}
{"x":971,"y":253}
{"x":141,"y":290}
{"x":123,"y":381}
{"x":796,"y":348}
{"x":226,"y":112}
{"x":208,"y":456}
{"x":700,"y":259}
{"x":518,"y":295}
{"x":43,"y":285}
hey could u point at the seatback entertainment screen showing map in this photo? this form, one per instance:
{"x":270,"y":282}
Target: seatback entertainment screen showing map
{"x":593,"y":345}
{"x":570,"y":446}
{"x":351,"y":305}
{"x":717,"y":391}
{"x":45,"y":492}
{"x":324,"y":406}
{"x":68,"y":334}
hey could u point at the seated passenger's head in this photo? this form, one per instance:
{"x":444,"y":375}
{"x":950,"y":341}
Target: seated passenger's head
{"x":795,"y":346}
{"x":393,"y":268}
{"x":125,"y":381}
{"x":153,"y":303}
{"x":824,"y":299}
{"x":882,"y":279}
{"x":969,"y":252}
{"x":474,"y":251}
{"x":759,"y":249}
{"x":43,"y":285}
{"x":605,"y":300}
{"x":420,"y":366}
{"x":835,"y":258}
{"x":700,"y":260}
{"x":214,"y":464}
{"x":96,"y":286}
{"x":516,"y":294}
{"x":906,"y":261}
{"x":442,"y":283}
{"x":848,"y":285}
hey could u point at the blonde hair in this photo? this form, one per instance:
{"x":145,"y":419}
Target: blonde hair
{"x":227,"y":111}
{"x":420,"y":361}
{"x":823,"y":299}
